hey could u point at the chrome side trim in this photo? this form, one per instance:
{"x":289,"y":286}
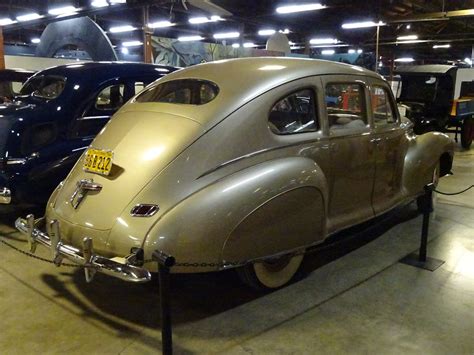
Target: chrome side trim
{"x":92,"y":262}
{"x":5,"y":196}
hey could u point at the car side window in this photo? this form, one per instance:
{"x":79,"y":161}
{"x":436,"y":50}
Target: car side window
{"x":345,"y":106}
{"x":294,"y":113}
{"x":381,"y":106}
{"x":110,"y":98}
{"x":139,"y":86}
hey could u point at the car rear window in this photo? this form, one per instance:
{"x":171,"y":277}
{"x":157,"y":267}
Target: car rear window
{"x":184,"y":91}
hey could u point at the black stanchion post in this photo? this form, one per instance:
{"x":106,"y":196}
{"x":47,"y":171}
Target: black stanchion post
{"x":165,"y":262}
{"x":422,"y":260}
{"x":427,"y":209}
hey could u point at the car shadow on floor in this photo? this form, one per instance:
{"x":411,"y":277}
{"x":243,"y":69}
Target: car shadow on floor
{"x":198,"y":296}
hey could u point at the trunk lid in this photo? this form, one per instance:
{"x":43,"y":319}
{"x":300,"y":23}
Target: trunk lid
{"x":143,"y":144}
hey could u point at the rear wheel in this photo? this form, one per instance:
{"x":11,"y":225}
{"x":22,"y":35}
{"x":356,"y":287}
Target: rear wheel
{"x":467,"y":133}
{"x":272,"y":273}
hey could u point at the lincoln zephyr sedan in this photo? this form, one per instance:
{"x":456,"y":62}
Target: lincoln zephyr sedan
{"x":239,"y":164}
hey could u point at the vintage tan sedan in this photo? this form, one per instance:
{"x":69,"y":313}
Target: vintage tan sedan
{"x":238,"y":163}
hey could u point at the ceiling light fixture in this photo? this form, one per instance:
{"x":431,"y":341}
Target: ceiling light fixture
{"x":405,"y":60}
{"x":62,"y":10}
{"x":235,"y":45}
{"x":285,"y":31}
{"x":266,"y":32}
{"x":351,"y":51}
{"x":225,"y":35}
{"x":203,"y":19}
{"x":289,"y":9}
{"x":161,"y":24}
{"x":190,"y":38}
{"x":29,"y":17}
{"x":323,"y":41}
{"x":35,"y":40}
{"x":328,"y":52}
{"x":436,"y":46}
{"x":131,"y":43}
{"x":115,"y":2}
{"x":99,"y":3}
{"x":359,"y":51}
{"x":365,"y":24}
{"x":249,"y":45}
{"x":119,"y":29}
{"x":407,"y":38}
{"x":6,"y":21}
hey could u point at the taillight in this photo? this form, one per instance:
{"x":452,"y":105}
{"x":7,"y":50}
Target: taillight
{"x":144,"y":210}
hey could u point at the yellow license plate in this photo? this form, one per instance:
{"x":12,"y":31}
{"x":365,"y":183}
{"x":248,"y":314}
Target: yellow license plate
{"x":98,"y":161}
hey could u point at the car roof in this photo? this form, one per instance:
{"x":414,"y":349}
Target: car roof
{"x":106,"y":69}
{"x":242,"y":80}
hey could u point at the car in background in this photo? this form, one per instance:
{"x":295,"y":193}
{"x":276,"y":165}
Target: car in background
{"x":11,"y":81}
{"x":242,"y":163}
{"x":55,"y":117}
{"x":439,"y":97}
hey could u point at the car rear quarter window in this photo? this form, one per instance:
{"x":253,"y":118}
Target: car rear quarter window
{"x":44,"y":86}
{"x":382,"y":106}
{"x":183,"y":91}
{"x":345,"y":106}
{"x":294,"y":113}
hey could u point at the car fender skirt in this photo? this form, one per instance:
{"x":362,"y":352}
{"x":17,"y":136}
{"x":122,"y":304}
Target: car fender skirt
{"x":287,"y":222}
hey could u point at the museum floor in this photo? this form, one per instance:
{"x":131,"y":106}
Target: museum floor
{"x":362,"y":302}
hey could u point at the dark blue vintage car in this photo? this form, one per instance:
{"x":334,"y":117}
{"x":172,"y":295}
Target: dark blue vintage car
{"x":55,"y":117}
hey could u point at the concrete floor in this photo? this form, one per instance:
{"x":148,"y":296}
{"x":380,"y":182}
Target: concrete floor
{"x":353,"y":298}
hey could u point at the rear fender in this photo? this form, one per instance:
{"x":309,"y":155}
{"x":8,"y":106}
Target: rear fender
{"x":258,"y":211}
{"x":423,"y":155}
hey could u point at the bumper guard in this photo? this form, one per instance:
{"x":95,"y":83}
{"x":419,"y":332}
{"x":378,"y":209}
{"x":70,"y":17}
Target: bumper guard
{"x":86,"y":257}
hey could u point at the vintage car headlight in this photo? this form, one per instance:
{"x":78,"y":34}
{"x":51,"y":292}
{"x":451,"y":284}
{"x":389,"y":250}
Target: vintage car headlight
{"x":144,"y":210}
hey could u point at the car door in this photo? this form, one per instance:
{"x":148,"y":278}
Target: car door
{"x":389,"y":139}
{"x":352,"y":153}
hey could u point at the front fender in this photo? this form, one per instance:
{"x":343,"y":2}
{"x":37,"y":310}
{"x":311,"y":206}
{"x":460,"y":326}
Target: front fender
{"x":424,"y":153}
{"x":258,"y":211}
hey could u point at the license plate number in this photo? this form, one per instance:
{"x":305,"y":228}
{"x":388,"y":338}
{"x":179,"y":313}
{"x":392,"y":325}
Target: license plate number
{"x":98,"y":161}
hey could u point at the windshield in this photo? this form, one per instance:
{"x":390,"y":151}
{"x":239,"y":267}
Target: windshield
{"x":45,"y":86}
{"x":185,"y":91}
{"x":426,"y":88}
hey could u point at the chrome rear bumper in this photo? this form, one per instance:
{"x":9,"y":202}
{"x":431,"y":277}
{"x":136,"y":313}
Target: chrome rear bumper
{"x":5,"y":196}
{"x":92,"y":263}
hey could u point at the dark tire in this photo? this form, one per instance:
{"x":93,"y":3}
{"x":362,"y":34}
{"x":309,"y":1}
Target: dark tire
{"x":271,"y":274}
{"x":467,"y":132}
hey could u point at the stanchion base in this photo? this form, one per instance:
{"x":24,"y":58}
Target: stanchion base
{"x":430,"y":264}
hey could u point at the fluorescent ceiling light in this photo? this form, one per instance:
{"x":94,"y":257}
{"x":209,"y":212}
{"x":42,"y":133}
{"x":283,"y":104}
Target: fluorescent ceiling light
{"x":235,"y":45}
{"x":328,"y":52}
{"x":62,"y":10}
{"x":35,"y":40}
{"x":436,"y":46}
{"x":299,"y":8}
{"x":119,"y":29}
{"x":115,"y":2}
{"x":161,"y":24}
{"x":359,"y":51}
{"x":267,"y":32}
{"x":296,"y":47}
{"x":249,"y":45}
{"x":407,"y":38}
{"x":405,"y":60}
{"x":203,"y":19}
{"x":285,"y":31}
{"x":323,"y":41}
{"x":351,"y":51}
{"x":6,"y":21}
{"x":28,"y":17}
{"x":224,"y":35}
{"x":365,"y":24}
{"x":190,"y":38}
{"x":131,"y":44}
{"x":99,"y":3}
